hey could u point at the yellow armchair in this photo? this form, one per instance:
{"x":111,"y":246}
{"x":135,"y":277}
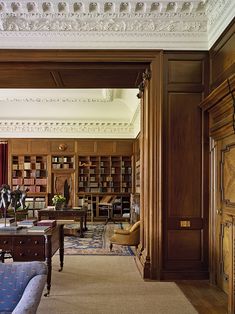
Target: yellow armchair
{"x":130,"y":236}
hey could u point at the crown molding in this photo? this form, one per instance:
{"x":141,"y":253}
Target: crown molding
{"x":106,"y":96}
{"x":65,"y":129}
{"x":114,"y":24}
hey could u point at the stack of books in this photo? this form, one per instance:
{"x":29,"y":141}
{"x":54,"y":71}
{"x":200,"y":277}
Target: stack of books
{"x":47,"y":222}
{"x":39,"y":229}
{"x":28,"y":223}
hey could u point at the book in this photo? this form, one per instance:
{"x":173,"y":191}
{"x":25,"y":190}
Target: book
{"x":39,"y":229}
{"x":47,"y":222}
{"x":27,"y":223}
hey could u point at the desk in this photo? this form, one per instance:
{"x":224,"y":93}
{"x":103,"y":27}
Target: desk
{"x":66,"y":214}
{"x":25,"y":246}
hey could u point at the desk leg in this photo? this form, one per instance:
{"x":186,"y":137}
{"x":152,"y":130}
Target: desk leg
{"x":49,"y":265}
{"x":85,"y":219}
{"x":61,"y":247}
{"x":81,"y":227}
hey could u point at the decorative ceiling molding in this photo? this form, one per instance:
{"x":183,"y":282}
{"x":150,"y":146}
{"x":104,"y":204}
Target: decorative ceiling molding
{"x":107,"y":96}
{"x":99,"y":24}
{"x":65,"y":129}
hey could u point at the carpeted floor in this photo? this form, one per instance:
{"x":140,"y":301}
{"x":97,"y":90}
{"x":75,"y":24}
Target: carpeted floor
{"x":109,"y":285}
{"x":95,"y":241}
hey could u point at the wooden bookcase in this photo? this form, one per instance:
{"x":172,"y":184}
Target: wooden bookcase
{"x":62,"y":162}
{"x":104,"y":174}
{"x":30,"y":171}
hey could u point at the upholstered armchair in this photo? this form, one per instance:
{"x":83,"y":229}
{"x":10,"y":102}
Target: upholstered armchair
{"x":130,"y":236}
{"x":21,"y":288}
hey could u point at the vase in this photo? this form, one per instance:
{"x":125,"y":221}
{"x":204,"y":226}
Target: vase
{"x":59,"y":206}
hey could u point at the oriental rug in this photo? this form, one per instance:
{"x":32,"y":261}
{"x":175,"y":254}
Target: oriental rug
{"x":95,"y":241}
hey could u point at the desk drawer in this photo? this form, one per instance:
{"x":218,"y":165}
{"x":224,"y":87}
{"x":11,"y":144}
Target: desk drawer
{"x":29,"y":241}
{"x":5,"y":243}
{"x":30,"y":254}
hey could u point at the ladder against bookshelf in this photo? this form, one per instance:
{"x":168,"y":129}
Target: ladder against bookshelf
{"x":30,"y":171}
{"x":62,"y":162}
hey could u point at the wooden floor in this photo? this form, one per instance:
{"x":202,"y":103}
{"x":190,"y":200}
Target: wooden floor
{"x":207,"y":299}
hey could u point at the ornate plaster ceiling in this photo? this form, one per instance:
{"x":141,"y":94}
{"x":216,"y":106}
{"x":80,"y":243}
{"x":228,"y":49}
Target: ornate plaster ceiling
{"x":89,"y":113}
{"x":161,"y":24}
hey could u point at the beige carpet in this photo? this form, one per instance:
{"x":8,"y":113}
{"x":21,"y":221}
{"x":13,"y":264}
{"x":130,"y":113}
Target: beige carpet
{"x":109,"y":285}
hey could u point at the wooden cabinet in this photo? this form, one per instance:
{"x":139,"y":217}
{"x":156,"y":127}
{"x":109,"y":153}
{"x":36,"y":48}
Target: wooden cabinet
{"x":219,"y":111}
{"x":30,"y":171}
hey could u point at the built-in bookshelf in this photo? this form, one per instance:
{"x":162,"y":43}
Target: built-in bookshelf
{"x":30,"y":171}
{"x":62,"y":162}
{"x":104,"y":174}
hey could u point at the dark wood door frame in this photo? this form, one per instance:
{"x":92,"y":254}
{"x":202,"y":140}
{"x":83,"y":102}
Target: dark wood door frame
{"x":149,"y":252}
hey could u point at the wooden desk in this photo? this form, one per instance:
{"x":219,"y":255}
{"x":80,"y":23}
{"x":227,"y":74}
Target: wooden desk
{"x":66,"y":214}
{"x":25,"y":246}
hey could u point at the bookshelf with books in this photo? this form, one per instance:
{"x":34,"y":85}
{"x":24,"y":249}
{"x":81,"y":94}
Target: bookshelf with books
{"x":62,"y":162}
{"x":30,"y":171}
{"x":104,"y":174}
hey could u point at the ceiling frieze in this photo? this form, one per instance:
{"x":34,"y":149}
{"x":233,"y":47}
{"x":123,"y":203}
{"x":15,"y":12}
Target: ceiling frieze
{"x":66,"y":129}
{"x":58,"y":23}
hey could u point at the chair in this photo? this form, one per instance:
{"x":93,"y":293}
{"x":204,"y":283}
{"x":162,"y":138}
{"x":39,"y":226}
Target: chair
{"x":130,"y":236}
{"x":21,"y":288}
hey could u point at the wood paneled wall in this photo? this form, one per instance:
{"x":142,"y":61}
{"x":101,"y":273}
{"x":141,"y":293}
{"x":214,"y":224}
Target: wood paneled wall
{"x":72,"y":146}
{"x":185,"y":206}
{"x":222,"y":57}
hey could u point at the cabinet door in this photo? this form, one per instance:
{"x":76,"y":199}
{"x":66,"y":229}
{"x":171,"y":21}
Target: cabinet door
{"x":225,"y":200}
{"x":63,"y":183}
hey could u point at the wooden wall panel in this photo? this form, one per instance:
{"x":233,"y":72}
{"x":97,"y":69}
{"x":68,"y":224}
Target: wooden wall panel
{"x":188,"y":72}
{"x":185,"y":244}
{"x":222,"y":57}
{"x":19,"y":146}
{"x":39,"y":146}
{"x":184,"y":155}
{"x":23,"y":78}
{"x":105,"y":147}
{"x":86,"y":147}
{"x":124,"y":147}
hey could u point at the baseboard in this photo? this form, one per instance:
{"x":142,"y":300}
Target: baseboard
{"x":184,"y":275}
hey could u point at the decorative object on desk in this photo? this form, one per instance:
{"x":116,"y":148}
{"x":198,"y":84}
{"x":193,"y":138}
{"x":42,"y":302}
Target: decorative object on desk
{"x":58,"y":200}
{"x":5,"y":199}
{"x":18,"y":199}
{"x":94,"y":242}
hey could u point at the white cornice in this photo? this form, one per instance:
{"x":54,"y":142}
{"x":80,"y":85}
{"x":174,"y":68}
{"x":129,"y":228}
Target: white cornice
{"x":56,"y":96}
{"x":111,"y":24}
{"x":65,"y":129}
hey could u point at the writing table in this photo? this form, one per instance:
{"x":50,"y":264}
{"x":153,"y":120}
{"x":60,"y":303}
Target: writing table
{"x":66,"y":214}
{"x":25,"y":246}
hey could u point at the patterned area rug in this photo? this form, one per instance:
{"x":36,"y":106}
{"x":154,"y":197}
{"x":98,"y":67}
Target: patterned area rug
{"x":95,"y":242}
